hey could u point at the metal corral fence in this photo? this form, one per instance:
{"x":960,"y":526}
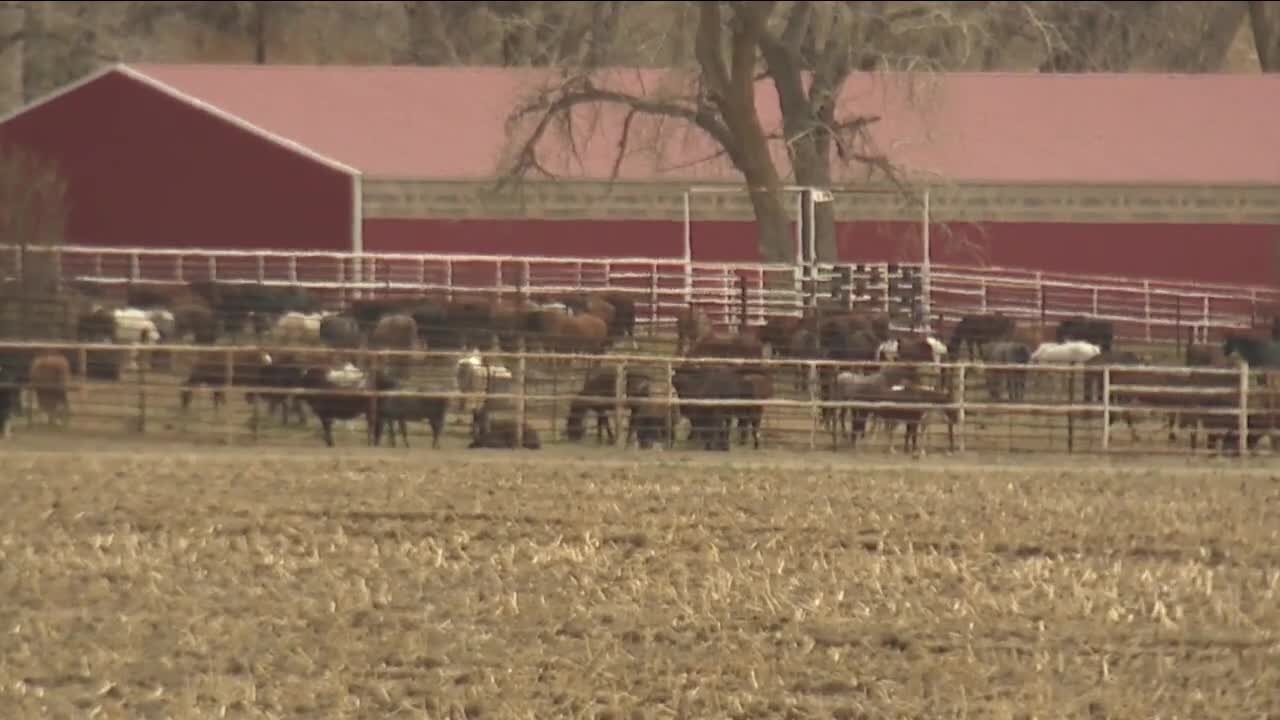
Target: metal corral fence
{"x":1142,"y":310}
{"x":117,"y":390}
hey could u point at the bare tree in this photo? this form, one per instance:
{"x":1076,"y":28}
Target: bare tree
{"x":1264,"y":21}
{"x":259,"y":20}
{"x":807,"y":50}
{"x":510,"y":33}
{"x":33,"y":214}
{"x":1135,"y":36}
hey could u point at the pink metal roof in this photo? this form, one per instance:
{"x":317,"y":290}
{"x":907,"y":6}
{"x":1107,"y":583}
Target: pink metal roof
{"x":448,"y":123}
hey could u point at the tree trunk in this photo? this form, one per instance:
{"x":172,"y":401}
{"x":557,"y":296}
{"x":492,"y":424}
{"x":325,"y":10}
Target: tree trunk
{"x":13,"y":25}
{"x":260,"y":10}
{"x":774,"y":239}
{"x":1264,"y":20}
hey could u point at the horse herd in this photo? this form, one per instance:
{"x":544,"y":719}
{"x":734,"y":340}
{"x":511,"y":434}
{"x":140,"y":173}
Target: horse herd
{"x":304,"y":356}
{"x":1196,"y":399}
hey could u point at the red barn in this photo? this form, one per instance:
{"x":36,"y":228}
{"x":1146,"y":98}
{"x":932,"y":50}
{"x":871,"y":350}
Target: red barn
{"x":1134,"y":175}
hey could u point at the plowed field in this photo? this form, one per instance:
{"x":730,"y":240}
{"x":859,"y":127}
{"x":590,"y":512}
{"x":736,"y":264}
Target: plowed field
{"x":146,"y":582}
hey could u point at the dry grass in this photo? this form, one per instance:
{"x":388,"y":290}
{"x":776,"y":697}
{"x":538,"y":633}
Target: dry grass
{"x":181,"y":583}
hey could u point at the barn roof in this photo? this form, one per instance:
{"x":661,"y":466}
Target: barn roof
{"x":449,"y":123}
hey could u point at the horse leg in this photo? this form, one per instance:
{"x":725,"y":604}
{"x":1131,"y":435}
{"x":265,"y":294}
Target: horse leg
{"x":404,"y":432}
{"x":326,"y":425}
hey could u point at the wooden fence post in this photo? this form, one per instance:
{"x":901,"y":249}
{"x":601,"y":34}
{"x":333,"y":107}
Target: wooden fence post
{"x":555,"y":400}
{"x":1244,"y":409}
{"x":1106,"y":408}
{"x":520,"y":393}
{"x":1177,"y":324}
{"x":1044,"y":305}
{"x":1146,"y":307}
{"x":228,"y":367}
{"x":653,"y":301}
{"x":141,"y":381}
{"x":620,"y":404}
{"x":814,"y":412}
{"x":376,"y":362}
{"x":671,"y":405}
{"x":82,"y":356}
{"x":1071,"y":409}
{"x":961,"y":372}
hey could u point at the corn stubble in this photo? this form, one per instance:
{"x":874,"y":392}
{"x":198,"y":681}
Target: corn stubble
{"x":452,"y":585}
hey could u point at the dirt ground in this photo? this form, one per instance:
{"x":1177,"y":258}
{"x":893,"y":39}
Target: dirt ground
{"x":145,"y":580}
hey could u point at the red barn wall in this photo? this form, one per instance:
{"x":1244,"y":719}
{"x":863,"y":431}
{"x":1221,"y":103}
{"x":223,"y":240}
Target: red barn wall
{"x":147,"y":170}
{"x":1210,"y":253}
{"x":712,"y":240}
{"x":1221,"y":253}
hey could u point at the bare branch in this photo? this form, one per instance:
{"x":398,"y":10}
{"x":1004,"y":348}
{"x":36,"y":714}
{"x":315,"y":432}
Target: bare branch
{"x":622,"y":143}
{"x":560,"y":103}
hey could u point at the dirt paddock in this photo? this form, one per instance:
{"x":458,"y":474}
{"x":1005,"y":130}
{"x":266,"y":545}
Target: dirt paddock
{"x":154,"y":580}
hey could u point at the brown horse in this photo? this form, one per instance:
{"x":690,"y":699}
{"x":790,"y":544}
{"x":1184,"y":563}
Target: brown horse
{"x":560,"y":332}
{"x":691,"y":325}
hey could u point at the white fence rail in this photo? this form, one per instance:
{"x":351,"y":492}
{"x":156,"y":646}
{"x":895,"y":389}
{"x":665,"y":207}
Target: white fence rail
{"x":1142,"y":310}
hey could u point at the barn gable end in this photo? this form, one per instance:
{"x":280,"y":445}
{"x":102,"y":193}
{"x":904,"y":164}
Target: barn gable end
{"x":149,"y":167}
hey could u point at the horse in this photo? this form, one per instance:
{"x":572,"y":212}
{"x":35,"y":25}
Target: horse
{"x":912,"y":417}
{"x":1257,"y":352}
{"x":1072,"y":352}
{"x":691,"y":325}
{"x":398,"y":410}
{"x":737,"y":345}
{"x":975,"y":331}
{"x":598,"y":396}
{"x":49,"y":376}
{"x":560,"y":332}
{"x":623,"y":323}
{"x":1093,"y":330}
{"x":500,"y":433}
{"x":332,"y":403}
{"x":472,"y":375}
{"x":396,"y":332}
{"x":1012,"y":381}
{"x":712,"y":423}
{"x":210,"y":370}
{"x":9,"y":394}
{"x":1092,"y":390}
{"x":648,"y":424}
{"x":295,"y":329}
{"x":851,"y":387}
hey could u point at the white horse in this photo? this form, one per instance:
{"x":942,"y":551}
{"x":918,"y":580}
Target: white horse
{"x":1072,"y":352}
{"x":132,"y":326}
{"x":473,"y":374}
{"x":888,"y":350}
{"x":295,"y":329}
